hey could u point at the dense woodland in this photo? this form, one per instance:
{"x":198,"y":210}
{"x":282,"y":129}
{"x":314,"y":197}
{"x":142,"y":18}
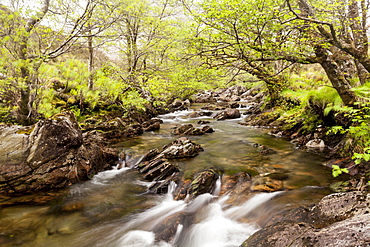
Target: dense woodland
{"x":97,"y":58}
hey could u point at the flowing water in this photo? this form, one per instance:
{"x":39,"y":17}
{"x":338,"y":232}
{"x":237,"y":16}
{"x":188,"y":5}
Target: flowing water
{"x":113,"y":209}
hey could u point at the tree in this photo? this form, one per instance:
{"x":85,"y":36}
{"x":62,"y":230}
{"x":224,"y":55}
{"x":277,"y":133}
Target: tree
{"x":346,"y":29}
{"x":153,"y":43}
{"x":102,"y":16}
{"x":146,"y":31}
{"x":325,"y":43}
{"x":19,"y":49}
{"x":28,"y":42}
{"x":253,"y":35}
{"x":247,"y":35}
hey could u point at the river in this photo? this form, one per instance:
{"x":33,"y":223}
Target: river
{"x":112,"y":209}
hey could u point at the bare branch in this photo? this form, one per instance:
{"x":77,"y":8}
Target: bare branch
{"x":32,"y":21}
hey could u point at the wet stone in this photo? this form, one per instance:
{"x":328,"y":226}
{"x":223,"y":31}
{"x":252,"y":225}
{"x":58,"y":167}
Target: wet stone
{"x":204,"y":182}
{"x":181,"y":148}
{"x":54,"y":154}
{"x":340,"y":219}
{"x":229,"y":113}
{"x":155,"y":165}
{"x":161,"y":187}
{"x":161,"y":171}
{"x":189,"y":129}
{"x":152,"y":124}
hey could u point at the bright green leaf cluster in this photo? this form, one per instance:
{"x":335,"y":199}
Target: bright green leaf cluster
{"x":336,"y":171}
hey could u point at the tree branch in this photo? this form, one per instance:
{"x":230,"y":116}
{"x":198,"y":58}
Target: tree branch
{"x":332,"y":35}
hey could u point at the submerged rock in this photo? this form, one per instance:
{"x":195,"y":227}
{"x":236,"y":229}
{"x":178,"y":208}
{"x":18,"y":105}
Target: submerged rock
{"x":264,"y":149}
{"x":267,"y":184}
{"x":53,"y":155}
{"x":238,"y":183}
{"x":201,"y":122}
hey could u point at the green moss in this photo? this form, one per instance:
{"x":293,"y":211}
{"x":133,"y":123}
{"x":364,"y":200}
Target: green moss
{"x":340,"y":186}
{"x":72,"y":100}
{"x":59,"y":103}
{"x":26,"y":131}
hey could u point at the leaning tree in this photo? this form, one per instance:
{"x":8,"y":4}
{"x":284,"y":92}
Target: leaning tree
{"x":264,"y":37}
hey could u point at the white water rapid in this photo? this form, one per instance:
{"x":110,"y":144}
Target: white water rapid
{"x":208,"y":221}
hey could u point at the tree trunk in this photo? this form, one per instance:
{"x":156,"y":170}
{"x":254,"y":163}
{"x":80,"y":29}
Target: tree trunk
{"x":26,"y":114}
{"x":362,"y":73}
{"x":91,"y":62}
{"x":132,"y":27}
{"x":274,"y":83}
{"x":336,"y":76}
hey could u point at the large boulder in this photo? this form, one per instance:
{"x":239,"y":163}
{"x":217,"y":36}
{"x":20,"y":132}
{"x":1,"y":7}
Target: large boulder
{"x":341,"y":219}
{"x":51,"y":155}
{"x":350,"y":232}
{"x":341,"y":206}
{"x":179,"y":105}
{"x":52,"y":137}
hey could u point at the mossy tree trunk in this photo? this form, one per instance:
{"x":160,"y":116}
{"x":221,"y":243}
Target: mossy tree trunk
{"x":25,"y":113}
{"x":274,"y":83}
{"x":336,"y":76}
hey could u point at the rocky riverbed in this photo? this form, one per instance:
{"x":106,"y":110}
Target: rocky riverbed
{"x":58,"y":152}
